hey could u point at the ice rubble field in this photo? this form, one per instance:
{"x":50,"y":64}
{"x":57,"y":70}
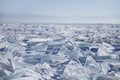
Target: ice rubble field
{"x":59,"y":52}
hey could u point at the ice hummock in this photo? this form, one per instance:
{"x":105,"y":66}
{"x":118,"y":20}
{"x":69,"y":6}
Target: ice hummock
{"x":59,"y":52}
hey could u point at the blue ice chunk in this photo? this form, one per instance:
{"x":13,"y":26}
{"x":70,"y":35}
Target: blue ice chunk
{"x":82,"y":60}
{"x":25,"y":40}
{"x":2,"y":49}
{"x":11,"y":39}
{"x":53,"y":49}
{"x":84,"y":48}
{"x":94,"y":49}
{"x":32,"y":59}
{"x":102,"y":58}
{"x":92,"y":65}
{"x":2,"y":73}
{"x":7,"y":67}
{"x":69,"y":45}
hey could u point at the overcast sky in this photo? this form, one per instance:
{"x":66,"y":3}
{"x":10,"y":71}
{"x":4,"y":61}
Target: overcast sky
{"x":69,"y":10}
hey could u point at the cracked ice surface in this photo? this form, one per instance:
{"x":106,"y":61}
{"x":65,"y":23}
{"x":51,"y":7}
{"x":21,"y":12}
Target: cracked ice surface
{"x":59,"y":51}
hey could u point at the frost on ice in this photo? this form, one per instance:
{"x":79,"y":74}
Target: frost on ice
{"x":59,"y":51}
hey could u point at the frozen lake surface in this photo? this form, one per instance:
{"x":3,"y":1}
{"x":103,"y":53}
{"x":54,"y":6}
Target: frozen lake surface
{"x":59,"y":51}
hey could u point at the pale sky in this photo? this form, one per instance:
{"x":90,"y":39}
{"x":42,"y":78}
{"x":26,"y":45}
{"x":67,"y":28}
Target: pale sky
{"x":68,"y":10}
